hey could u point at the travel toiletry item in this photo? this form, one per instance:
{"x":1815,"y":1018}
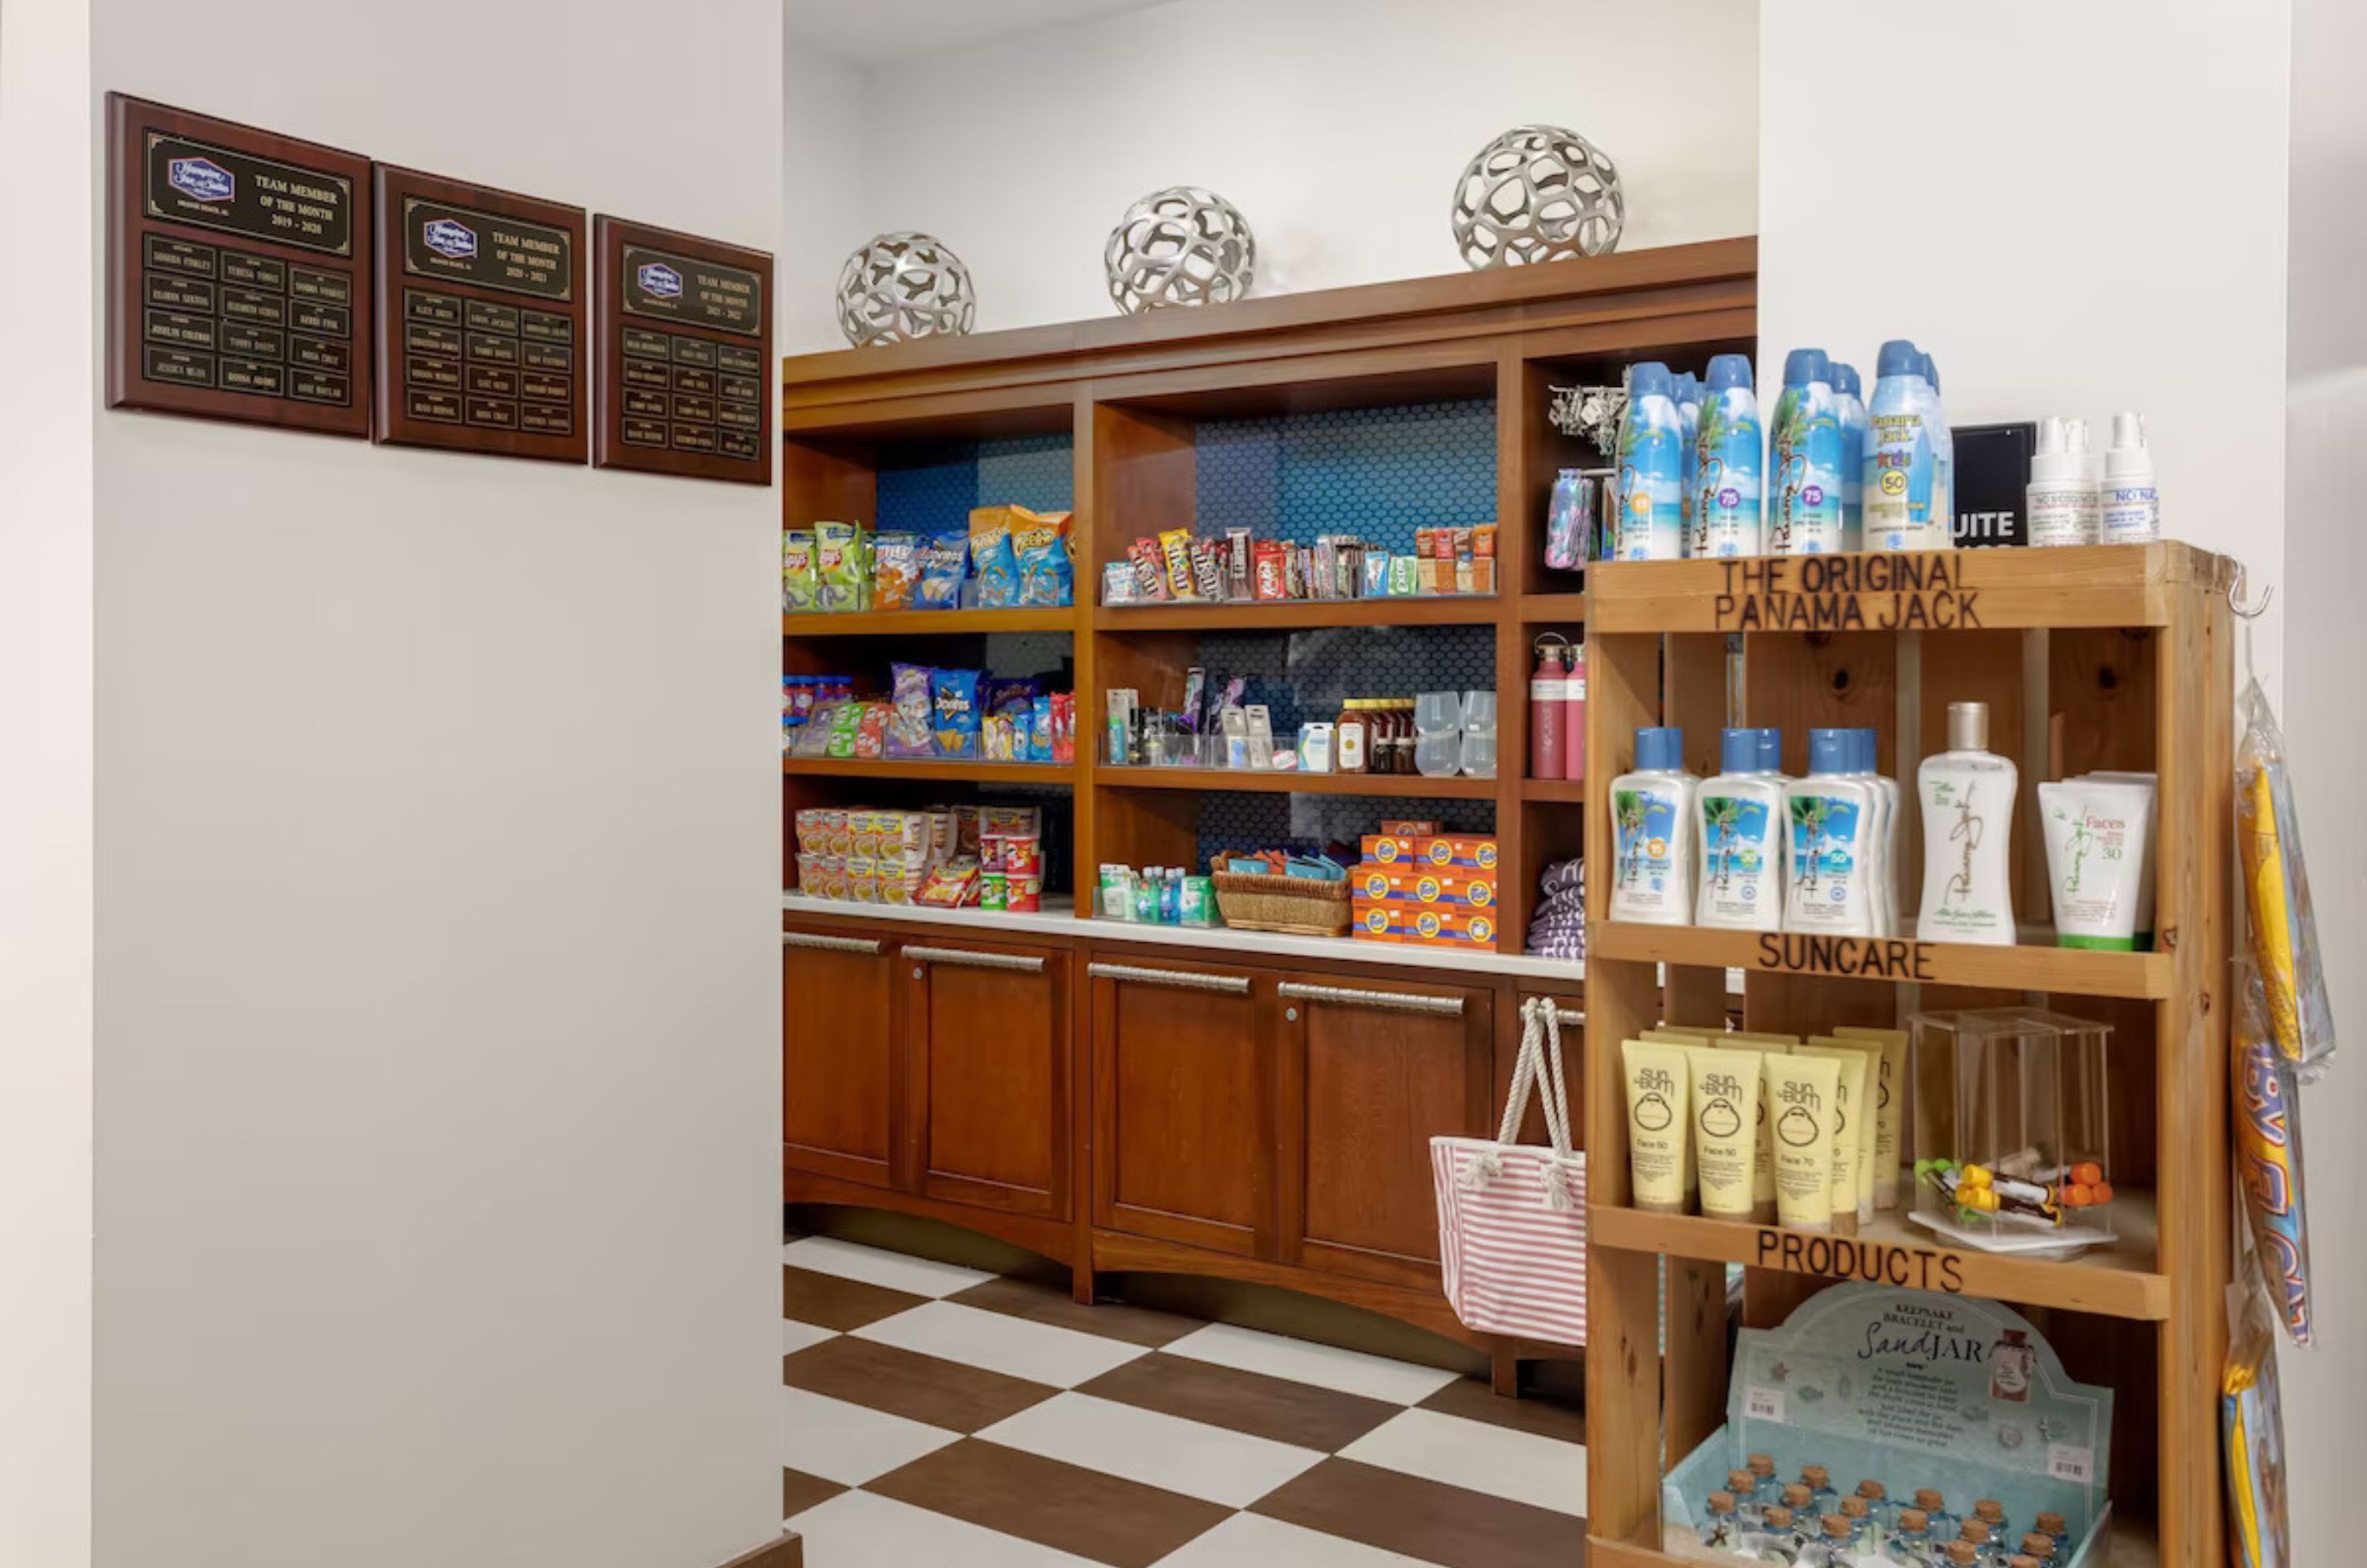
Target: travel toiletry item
{"x":1966,"y":793}
{"x":1687,"y":393}
{"x":1889,"y":1107}
{"x":1657,"y":1078}
{"x":1805,"y":458}
{"x":1725,"y":512}
{"x":1652,"y":827}
{"x":1850,"y":1125}
{"x":1800,"y":1091}
{"x":2151,"y":783}
{"x":2129,"y":508}
{"x":1741,"y":827}
{"x":2061,"y":499}
{"x":1865,"y":1110}
{"x":2096,"y":830}
{"x":1762,"y":1160}
{"x":1648,"y":515}
{"x":1942,"y":533}
{"x":1849,"y":412}
{"x":1901,"y":473}
{"x":1724,"y":1106}
{"x":1260,"y":735}
{"x":1831,"y":817}
{"x":1315,"y":748}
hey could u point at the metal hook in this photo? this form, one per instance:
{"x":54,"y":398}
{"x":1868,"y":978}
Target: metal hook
{"x":2235,"y":591}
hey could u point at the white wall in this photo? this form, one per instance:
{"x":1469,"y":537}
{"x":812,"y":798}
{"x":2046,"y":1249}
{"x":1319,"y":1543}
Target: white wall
{"x":437,"y":859}
{"x":2326,"y":473}
{"x":2076,"y":209}
{"x":824,"y":177}
{"x":45,"y":794}
{"x":1338,"y":126}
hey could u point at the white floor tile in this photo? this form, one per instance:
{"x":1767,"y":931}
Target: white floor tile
{"x":1157,"y":1449}
{"x":1544,"y":1472}
{"x":875,"y":1265}
{"x":847,"y":1443}
{"x":855,"y":1529}
{"x":999,"y":1342}
{"x":1253,"y":1540}
{"x":795,"y":1335}
{"x":1303,"y":1361}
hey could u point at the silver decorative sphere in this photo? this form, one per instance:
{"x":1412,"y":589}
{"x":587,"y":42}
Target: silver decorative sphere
{"x":901,"y":286}
{"x":1537,"y":193}
{"x":1182,"y":246}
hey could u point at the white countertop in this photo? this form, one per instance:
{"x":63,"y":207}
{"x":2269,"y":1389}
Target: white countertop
{"x":1059,"y":918}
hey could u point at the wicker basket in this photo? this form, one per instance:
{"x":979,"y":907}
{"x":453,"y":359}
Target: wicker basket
{"x":1298,"y":905}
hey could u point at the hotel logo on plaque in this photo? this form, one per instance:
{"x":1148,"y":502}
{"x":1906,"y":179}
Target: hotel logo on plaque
{"x":202,"y":179}
{"x":447,"y":238}
{"x":659,"y":280}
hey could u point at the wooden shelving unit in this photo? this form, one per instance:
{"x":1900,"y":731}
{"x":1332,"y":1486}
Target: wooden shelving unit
{"x":952,"y":770}
{"x":1269,"y":782}
{"x":928,"y":623}
{"x":2130,"y":647}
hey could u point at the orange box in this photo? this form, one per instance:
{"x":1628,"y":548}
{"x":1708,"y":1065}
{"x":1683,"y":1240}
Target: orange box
{"x":1454,"y":849}
{"x":1441,"y":925}
{"x":1392,"y":849}
{"x":1423,"y":885}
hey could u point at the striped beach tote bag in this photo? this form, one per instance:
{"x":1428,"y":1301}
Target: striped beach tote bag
{"x":1512,"y":1217}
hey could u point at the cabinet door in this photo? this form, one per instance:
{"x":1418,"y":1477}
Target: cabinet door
{"x":1366,"y":1077}
{"x":1182,"y":1127}
{"x":987,"y":1074}
{"x":838,"y":1056}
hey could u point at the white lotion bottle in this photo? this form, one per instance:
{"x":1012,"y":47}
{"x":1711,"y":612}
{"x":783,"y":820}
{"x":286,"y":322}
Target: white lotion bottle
{"x":1652,"y":821}
{"x":2062,"y":494}
{"x":1881,"y":873}
{"x":1967,"y":797}
{"x":1831,"y":817}
{"x":2129,"y":511}
{"x":1741,"y":815}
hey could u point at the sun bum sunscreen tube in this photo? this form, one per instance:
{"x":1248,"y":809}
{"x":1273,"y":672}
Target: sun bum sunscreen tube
{"x":2096,"y":831}
{"x":2149,"y":783}
{"x":1967,"y":793}
{"x":1831,"y":816}
{"x":1726,"y":1130}
{"x":1683,"y":1040}
{"x":1649,"y":523}
{"x":1656,"y":1103}
{"x":1741,"y":819}
{"x":1865,"y":1115}
{"x":1651,"y":827}
{"x":1725,"y":518}
{"x":1763,"y":1162}
{"x":1848,"y":1098}
{"x":1805,"y":455}
{"x":1800,"y":1091}
{"x":1889,"y":1107}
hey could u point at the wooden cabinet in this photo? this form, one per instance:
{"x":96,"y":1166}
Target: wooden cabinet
{"x":1366,"y":1074}
{"x":987,"y":1065}
{"x":838,"y":1056}
{"x":1183,"y":1134}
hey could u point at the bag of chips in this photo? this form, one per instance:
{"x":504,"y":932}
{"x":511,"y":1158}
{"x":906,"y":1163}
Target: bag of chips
{"x":945,"y":558}
{"x":1039,"y":730}
{"x":1048,"y":574}
{"x":844,"y":580}
{"x":895,"y":570}
{"x":845,"y":723}
{"x":871,"y":730}
{"x":799,"y":584}
{"x":911,"y":732}
{"x":997,"y":564}
{"x":954,"y":694}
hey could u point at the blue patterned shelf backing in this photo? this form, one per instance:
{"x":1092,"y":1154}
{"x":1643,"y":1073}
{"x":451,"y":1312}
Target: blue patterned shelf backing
{"x":934,"y":488}
{"x":1375,"y":472}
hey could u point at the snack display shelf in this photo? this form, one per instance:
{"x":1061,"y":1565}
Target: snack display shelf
{"x":2118,"y":1280}
{"x":1293,"y":781}
{"x":965,"y":769}
{"x":2026,"y":966}
{"x":1058,"y":918}
{"x":907,"y":623}
{"x":1385,"y":610}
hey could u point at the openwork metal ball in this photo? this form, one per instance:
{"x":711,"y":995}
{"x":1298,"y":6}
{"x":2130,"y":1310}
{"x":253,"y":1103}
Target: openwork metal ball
{"x":1537,"y":193}
{"x":1182,"y":246}
{"x":901,"y":286}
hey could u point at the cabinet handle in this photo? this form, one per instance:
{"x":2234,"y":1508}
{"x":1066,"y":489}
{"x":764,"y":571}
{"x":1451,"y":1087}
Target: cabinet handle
{"x":1569,"y":1019}
{"x":829,"y":943}
{"x":1232,"y":985}
{"x":1405,"y":1001}
{"x":974,"y":959}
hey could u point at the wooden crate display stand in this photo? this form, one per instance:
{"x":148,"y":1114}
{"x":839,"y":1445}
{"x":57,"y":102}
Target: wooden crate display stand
{"x":2094,"y":658}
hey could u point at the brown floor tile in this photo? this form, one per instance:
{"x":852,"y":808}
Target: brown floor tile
{"x":1536,"y":1414}
{"x":1047,"y":1303}
{"x":1427,"y":1519}
{"x":800,"y":1491}
{"x":1288,"y":1412}
{"x":903,"y":1382}
{"x":828,"y":1302}
{"x":1109,"y":1520}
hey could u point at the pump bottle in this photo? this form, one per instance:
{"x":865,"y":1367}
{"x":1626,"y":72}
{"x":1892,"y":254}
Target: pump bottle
{"x":2130,"y":509}
{"x":2062,"y":498}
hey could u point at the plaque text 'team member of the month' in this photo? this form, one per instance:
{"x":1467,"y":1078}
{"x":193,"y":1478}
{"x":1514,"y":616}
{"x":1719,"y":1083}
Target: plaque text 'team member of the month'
{"x":685,"y":333}
{"x":479,"y":319}
{"x":238,"y":272}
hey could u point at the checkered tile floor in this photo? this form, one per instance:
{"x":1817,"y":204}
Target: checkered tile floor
{"x":936,"y":1416}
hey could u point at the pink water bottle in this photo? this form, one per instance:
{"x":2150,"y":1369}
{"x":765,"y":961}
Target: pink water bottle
{"x":1549,"y":708}
{"x":1574,"y":728}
